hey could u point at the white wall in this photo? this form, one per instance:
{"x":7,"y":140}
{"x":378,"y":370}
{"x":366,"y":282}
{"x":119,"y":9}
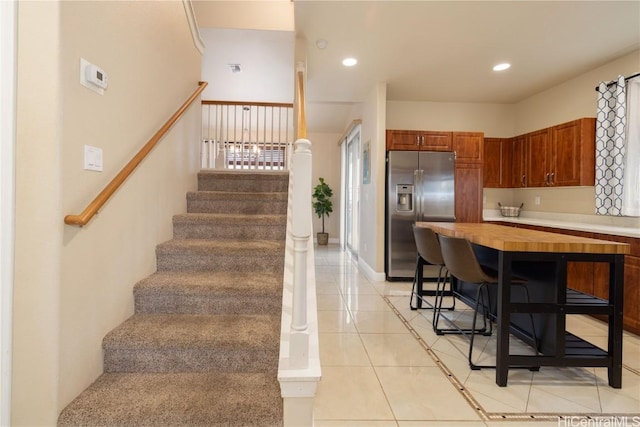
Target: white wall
{"x":371,"y":251}
{"x":571,"y":100}
{"x":266,"y":58}
{"x":72,"y":284}
{"x":495,"y":120}
{"x":326,"y":164}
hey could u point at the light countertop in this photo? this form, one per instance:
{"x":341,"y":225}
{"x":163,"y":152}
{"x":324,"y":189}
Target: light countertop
{"x":629,"y":227}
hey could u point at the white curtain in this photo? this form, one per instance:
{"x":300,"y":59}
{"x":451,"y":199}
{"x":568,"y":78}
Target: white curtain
{"x":631,"y":183}
{"x":611,"y":130}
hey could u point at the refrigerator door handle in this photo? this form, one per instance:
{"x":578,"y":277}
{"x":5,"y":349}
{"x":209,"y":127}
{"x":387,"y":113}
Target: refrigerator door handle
{"x":418,"y":185}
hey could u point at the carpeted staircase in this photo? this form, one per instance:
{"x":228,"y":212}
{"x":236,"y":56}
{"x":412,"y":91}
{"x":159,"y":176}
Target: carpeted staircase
{"x":202,"y":347}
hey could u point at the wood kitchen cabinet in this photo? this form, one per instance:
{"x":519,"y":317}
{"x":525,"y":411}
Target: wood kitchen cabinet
{"x":419,"y":140}
{"x":573,"y":151}
{"x":468,"y":146}
{"x":562,"y":155}
{"x":469,"y":149}
{"x":468,"y":187}
{"x":539,"y":158}
{"x":519,"y":161}
{"x":497,"y":162}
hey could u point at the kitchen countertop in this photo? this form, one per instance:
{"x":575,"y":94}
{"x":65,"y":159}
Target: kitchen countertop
{"x":589,"y":223}
{"x":505,"y":238}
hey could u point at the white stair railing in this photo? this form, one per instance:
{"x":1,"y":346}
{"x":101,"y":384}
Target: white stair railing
{"x":299,"y":368}
{"x":246,"y":135}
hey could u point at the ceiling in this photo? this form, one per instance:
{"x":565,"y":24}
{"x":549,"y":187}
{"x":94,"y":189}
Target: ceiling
{"x":443,"y":51}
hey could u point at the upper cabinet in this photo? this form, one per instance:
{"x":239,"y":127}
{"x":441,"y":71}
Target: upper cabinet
{"x":419,"y":140}
{"x":497,"y":162}
{"x":468,"y":146}
{"x":562,"y":155}
{"x":573,"y":150}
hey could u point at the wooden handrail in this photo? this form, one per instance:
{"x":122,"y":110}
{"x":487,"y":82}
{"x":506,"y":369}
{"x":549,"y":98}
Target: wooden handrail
{"x":101,"y":199}
{"x":302,"y":118}
{"x":251,"y":103}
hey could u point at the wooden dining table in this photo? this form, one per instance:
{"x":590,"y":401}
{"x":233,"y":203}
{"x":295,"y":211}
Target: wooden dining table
{"x":531,"y":250}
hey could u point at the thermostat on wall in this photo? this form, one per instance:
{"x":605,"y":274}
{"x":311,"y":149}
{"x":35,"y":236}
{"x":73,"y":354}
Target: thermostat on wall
{"x":95,"y":75}
{"x":92,"y":76}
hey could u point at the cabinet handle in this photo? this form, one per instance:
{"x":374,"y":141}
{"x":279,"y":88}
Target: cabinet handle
{"x":553,"y":179}
{"x":523,"y":182}
{"x":546,"y":179}
{"x":417,"y":139}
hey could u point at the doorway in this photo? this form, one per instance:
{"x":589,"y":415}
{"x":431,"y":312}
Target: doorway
{"x":352,"y":190}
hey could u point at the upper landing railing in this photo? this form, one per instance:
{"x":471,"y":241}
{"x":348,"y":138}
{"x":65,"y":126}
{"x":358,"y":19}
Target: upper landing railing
{"x":247,"y":135}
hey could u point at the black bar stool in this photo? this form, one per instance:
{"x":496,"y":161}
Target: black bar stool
{"x":460,"y":259}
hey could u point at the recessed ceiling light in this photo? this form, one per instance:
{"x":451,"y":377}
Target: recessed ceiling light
{"x":501,"y":67}
{"x":349,"y":62}
{"x":321,"y":43}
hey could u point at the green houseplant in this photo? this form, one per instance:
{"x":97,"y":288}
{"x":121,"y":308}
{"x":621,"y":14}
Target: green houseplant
{"x":322,"y":206}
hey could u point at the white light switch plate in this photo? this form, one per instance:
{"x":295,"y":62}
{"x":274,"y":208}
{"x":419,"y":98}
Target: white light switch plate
{"x":92,"y":158}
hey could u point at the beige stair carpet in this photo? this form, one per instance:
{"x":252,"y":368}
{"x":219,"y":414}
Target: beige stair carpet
{"x":202,"y":346}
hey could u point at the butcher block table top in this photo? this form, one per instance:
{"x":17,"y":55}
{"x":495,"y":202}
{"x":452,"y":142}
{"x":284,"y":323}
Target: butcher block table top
{"x":510,"y":239}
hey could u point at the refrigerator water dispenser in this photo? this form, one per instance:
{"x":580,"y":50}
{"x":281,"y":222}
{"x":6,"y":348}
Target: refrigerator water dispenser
{"x":404,"y":203}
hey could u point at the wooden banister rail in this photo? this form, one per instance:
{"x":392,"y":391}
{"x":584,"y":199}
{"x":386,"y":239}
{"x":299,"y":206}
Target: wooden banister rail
{"x":300,"y":102}
{"x":107,"y":192}
{"x":248,"y":103}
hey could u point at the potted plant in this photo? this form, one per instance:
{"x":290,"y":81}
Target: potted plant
{"x":323,"y":206}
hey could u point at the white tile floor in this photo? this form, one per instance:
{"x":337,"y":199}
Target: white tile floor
{"x":382,"y":365}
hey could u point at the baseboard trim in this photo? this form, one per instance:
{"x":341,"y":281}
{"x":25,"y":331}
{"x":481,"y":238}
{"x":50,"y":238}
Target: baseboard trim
{"x":371,"y":274}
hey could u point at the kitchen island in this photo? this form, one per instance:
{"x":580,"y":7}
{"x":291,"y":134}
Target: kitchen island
{"x":542,"y":258}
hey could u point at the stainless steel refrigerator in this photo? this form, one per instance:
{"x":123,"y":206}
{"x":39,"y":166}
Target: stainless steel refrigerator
{"x":420,"y":187}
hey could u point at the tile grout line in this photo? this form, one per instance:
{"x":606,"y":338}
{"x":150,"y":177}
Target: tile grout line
{"x":466,"y":394}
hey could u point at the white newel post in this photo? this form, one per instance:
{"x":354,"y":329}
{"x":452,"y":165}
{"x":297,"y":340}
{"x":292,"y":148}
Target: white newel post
{"x":301,"y":233}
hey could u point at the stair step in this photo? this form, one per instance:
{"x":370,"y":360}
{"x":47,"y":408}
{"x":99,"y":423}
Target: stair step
{"x":243,"y":181}
{"x":259,"y":256}
{"x":237,"y":203}
{"x":209,"y":293}
{"x":193,"y":343}
{"x":177,"y":399}
{"x":226,"y":226}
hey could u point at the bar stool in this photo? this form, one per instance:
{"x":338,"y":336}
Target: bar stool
{"x":429,"y":253}
{"x":462,"y":263}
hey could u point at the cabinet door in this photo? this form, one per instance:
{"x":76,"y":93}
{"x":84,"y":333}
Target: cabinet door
{"x":539,"y":158}
{"x":497,"y":163}
{"x":631,"y":310}
{"x":436,"y":141}
{"x":519,"y":162}
{"x":573,"y":153}
{"x":468,"y":193}
{"x":468,"y":146}
{"x":403,"y":140}
{"x":565,"y":167}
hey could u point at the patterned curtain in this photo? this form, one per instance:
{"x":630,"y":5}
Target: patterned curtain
{"x":610,"y":147}
{"x":631,"y":188}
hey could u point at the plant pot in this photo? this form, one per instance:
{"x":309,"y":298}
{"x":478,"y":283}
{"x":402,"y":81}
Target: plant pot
{"x":323,"y":238}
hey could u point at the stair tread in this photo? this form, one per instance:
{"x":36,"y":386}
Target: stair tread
{"x":227,"y":246}
{"x":253,"y":219}
{"x":195,"y":331}
{"x":211,"y":283}
{"x":277,"y":196}
{"x":178,"y":399}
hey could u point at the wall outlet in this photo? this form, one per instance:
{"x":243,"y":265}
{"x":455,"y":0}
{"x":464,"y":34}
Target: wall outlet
{"x":537,"y":200}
